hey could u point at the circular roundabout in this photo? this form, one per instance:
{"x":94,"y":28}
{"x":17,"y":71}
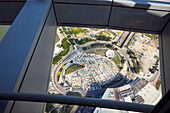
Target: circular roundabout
{"x":85,"y":71}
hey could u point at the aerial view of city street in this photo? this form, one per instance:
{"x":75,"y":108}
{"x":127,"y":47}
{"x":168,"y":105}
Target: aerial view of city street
{"x":105,"y":64}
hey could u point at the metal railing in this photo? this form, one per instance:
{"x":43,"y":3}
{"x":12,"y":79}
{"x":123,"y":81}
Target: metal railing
{"x":72,"y":100}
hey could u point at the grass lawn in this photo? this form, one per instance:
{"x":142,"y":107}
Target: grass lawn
{"x":65,"y":44}
{"x":83,"y":41}
{"x":118,"y":32}
{"x":3,"y":31}
{"x":77,"y":30}
{"x":131,"y":39}
{"x":101,"y":51}
{"x":98,"y":45}
{"x":90,"y":52}
{"x":58,"y":75}
{"x":59,"y":56}
{"x":94,"y":29}
{"x":109,"y":33}
{"x":153,"y":36}
{"x":66,"y":30}
{"x":73,"y":94}
{"x":73,"y":68}
{"x":59,"y":72}
{"x":118,"y":53}
{"x":57,"y":38}
{"x":158,"y":84}
{"x":116,"y":59}
{"x":56,"y":59}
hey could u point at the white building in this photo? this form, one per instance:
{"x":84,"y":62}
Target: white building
{"x":149,"y":94}
{"x":111,"y":94}
{"x":110,"y":53}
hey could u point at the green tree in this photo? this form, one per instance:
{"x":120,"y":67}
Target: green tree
{"x":65,"y":44}
{"x":153,"y":69}
{"x":58,"y":45}
{"x":69,"y":36}
{"x":104,"y":38}
{"x":64,"y":52}
{"x":121,"y":67}
{"x":49,"y":106}
{"x":134,"y":57}
{"x":65,"y":30}
{"x":109,"y":46}
{"x":83,"y":41}
{"x":158,"y":84}
{"x":123,"y":60}
{"x":71,"y":41}
{"x":56,"y":59}
{"x":114,"y":42}
{"x":54,"y":111}
{"x":136,"y":69}
{"x":115,"y":48}
{"x":84,"y":48}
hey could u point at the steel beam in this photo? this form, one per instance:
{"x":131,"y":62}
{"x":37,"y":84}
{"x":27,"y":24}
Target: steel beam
{"x":83,"y":101}
{"x":26,"y":55}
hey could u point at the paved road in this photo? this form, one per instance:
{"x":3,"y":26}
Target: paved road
{"x":153,"y":78}
{"x":61,"y":37}
{"x":124,"y":53}
{"x":74,"y":36}
{"x":128,"y":39}
{"x":109,"y":42}
{"x":64,"y":32}
{"x":74,"y":109}
{"x":155,"y":75}
{"x":123,"y":38}
{"x":56,"y":69}
{"x":58,"y":88}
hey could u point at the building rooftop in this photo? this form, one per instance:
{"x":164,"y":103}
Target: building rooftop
{"x":110,"y":53}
